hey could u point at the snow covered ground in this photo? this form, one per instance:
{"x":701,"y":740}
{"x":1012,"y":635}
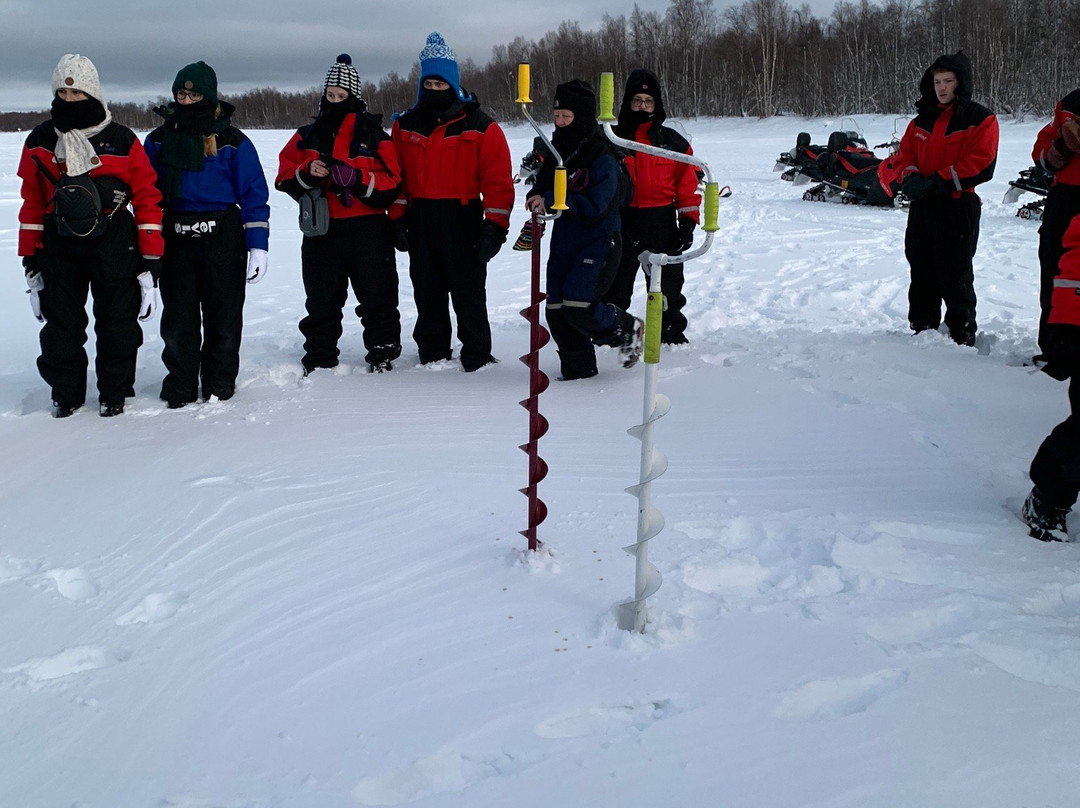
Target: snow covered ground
{"x":314,"y":595}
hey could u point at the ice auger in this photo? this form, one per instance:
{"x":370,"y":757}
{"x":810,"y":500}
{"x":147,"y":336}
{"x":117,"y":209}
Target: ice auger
{"x":632,"y":614}
{"x":538,"y":335}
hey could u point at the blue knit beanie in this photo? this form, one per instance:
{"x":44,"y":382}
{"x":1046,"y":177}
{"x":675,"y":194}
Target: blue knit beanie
{"x":437,"y":60}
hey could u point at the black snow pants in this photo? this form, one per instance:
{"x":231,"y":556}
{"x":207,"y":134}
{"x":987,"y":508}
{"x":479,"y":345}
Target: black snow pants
{"x":203,"y":284}
{"x":1062,"y":204}
{"x":106,"y":267}
{"x":358,"y":251}
{"x":942,"y":235}
{"x":443,"y":264}
{"x":655,"y":230}
{"x":1055,"y":471}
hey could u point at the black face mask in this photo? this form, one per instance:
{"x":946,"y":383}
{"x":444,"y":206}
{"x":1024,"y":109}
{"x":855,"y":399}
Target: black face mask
{"x":69,"y":115}
{"x":567,"y":138}
{"x":636,"y":117}
{"x":438,"y":100}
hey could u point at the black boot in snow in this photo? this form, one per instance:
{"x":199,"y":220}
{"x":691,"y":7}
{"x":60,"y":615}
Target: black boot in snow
{"x":1047,"y":522}
{"x":633,"y":339}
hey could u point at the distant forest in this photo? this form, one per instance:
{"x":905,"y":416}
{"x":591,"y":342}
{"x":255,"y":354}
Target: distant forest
{"x":758,"y":59}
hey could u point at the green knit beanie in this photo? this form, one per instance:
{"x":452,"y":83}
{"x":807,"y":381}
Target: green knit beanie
{"x":200,"y":78}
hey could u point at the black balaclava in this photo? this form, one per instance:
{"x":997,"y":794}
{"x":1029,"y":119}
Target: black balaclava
{"x":646,"y":83}
{"x":578,"y":97}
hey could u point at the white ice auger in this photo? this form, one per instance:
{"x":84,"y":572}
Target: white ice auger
{"x":632,"y":614}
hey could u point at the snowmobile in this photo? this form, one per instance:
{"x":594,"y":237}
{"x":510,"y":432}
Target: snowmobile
{"x":531,"y":162}
{"x":1034,"y":180}
{"x":845,"y":170}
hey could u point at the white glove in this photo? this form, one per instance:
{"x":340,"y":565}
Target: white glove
{"x":35,"y":283}
{"x":148,"y":305}
{"x":258,"y":263}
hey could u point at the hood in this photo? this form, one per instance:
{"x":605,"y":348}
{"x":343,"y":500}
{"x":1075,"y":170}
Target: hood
{"x":643,"y":81}
{"x":959,"y":64}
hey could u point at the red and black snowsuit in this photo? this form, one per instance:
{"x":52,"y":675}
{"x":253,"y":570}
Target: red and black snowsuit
{"x":956,"y":145}
{"x":105,"y":266}
{"x":457,"y":177}
{"x":359,"y":246}
{"x":1055,"y":470}
{"x":665,"y":197}
{"x":1062,"y":203}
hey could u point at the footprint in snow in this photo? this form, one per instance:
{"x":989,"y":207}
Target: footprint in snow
{"x":447,"y":771}
{"x":73,"y":584}
{"x":153,"y":608}
{"x":13,"y":569}
{"x":604,"y":721}
{"x":826,"y":699}
{"x":41,"y":670}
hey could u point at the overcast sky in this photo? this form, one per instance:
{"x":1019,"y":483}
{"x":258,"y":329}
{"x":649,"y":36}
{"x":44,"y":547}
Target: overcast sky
{"x":139,"y":46}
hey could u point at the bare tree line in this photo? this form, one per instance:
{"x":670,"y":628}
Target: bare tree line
{"x":761,"y":58}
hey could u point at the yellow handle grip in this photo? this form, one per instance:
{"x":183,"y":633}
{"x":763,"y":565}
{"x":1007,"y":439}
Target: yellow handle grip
{"x":712,"y":207}
{"x":607,"y":97}
{"x":560,"y":189}
{"x":654,"y":313}
{"x":523,"y":82}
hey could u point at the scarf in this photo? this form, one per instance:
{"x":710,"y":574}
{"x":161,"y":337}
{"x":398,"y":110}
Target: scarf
{"x":183,"y":143}
{"x":75,"y":123}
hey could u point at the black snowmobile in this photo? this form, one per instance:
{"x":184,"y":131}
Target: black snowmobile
{"x":845,"y":170}
{"x":1035,"y":180}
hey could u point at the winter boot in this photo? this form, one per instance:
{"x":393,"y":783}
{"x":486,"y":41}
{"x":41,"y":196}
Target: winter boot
{"x":633,"y":338}
{"x":61,"y":410}
{"x":1047,"y":521}
{"x":110,"y":409}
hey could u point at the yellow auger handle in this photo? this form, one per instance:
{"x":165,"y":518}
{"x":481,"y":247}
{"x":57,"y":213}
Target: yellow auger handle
{"x":712,"y":207}
{"x":607,"y":97}
{"x":523,"y":82}
{"x":560,"y":189}
{"x":654,"y":313}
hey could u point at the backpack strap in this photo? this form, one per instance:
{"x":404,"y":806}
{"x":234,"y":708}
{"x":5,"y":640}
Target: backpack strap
{"x":41,"y":167}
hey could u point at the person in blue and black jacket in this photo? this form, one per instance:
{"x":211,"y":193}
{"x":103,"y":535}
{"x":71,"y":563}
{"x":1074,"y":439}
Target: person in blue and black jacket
{"x":585,"y":244}
{"x":217,"y":229}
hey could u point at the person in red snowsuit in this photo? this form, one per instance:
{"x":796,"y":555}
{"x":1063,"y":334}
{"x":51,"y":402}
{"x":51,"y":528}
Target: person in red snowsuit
{"x":115,"y":262}
{"x":455,"y":210}
{"x":948,"y":148}
{"x":1055,"y":469}
{"x":1053,"y":152}
{"x":664,"y":209}
{"x":348,"y":158}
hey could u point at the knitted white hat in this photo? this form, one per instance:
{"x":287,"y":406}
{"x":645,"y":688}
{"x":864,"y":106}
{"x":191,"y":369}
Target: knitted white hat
{"x":77,"y":73}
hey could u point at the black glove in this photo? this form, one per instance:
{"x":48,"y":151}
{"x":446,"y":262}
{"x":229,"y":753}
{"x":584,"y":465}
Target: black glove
{"x":1061,"y":357}
{"x":918,"y":187}
{"x":401,"y":236}
{"x":686,"y":233}
{"x":491,"y":239}
{"x":30,"y":264}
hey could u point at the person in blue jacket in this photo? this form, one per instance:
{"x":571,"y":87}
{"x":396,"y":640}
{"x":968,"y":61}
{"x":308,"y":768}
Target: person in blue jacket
{"x":217,"y":230}
{"x":585,"y":246}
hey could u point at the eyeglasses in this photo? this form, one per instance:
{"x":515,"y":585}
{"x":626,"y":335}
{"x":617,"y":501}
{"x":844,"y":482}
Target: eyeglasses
{"x":188,"y":95}
{"x":642,"y":102}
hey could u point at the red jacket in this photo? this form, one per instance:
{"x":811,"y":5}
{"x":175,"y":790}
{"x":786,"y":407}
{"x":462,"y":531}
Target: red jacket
{"x":1067,"y":108}
{"x":370,"y":152}
{"x":1065,"y":299}
{"x":465,"y":157}
{"x":121,"y":155}
{"x":659,"y":182}
{"x":957,"y":142}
